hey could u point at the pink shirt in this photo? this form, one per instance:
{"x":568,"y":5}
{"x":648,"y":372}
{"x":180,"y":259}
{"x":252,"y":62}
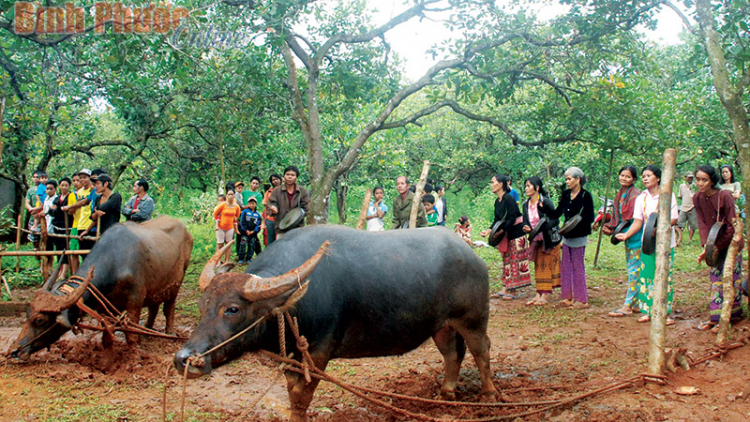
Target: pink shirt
{"x":534,"y":219}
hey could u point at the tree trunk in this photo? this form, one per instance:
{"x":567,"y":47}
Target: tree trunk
{"x":727,"y":279}
{"x":606,"y":197}
{"x":418,"y":195}
{"x":342,"y":188}
{"x":658,"y":336}
{"x":363,"y":211}
{"x":731,"y":96}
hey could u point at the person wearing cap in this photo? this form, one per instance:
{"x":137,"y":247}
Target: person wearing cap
{"x":106,"y":208}
{"x":687,"y":210}
{"x":141,"y":205}
{"x":248,"y":227}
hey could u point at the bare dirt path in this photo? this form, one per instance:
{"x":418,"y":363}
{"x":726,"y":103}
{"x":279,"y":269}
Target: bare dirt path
{"x":565,"y":351}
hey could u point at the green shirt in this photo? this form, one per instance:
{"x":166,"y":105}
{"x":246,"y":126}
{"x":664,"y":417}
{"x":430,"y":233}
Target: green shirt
{"x":247,"y":194}
{"x":432,"y":218}
{"x":31,"y":196}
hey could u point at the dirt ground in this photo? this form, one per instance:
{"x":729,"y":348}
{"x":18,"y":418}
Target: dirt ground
{"x":538,"y":353}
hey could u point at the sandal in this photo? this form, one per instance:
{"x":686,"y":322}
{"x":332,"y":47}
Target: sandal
{"x":580,"y":305}
{"x":540,"y":303}
{"x":618,"y":313}
{"x":566,"y":302}
{"x":497,"y":295}
{"x":508,"y":296}
{"x":670,"y":321}
{"x":706,"y":326}
{"x":644,"y":318}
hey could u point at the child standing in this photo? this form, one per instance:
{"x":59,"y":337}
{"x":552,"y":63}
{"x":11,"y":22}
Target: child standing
{"x":248,"y":228}
{"x":429,"y":209}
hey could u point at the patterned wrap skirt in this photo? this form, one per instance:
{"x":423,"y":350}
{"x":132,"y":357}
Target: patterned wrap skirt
{"x":546,"y":266}
{"x":646,"y":283}
{"x":516,"y":268}
{"x":717,"y":289}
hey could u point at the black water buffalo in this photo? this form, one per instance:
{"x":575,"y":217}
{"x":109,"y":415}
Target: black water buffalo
{"x":134,"y":265}
{"x":370,"y":294}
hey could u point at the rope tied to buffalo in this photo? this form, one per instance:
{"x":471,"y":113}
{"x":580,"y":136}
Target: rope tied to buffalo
{"x":299,"y":367}
{"x":114,"y":320}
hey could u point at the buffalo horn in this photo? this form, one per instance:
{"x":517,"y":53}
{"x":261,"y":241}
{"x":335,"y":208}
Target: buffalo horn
{"x":209,"y":271}
{"x":47,"y":302}
{"x":257,"y":288}
{"x":51,"y":280}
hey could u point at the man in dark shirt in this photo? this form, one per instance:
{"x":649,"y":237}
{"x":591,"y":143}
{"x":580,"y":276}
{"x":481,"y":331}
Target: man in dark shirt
{"x":287,"y":196}
{"x":402,"y":205}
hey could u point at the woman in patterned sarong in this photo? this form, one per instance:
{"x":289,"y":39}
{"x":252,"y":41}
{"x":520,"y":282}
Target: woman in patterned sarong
{"x":646,"y":204}
{"x":716,"y":205}
{"x":623,"y":210}
{"x":514,"y":247}
{"x":545,"y":247}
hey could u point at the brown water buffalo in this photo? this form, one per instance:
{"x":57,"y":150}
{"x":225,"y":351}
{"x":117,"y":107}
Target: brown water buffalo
{"x":369,"y":294}
{"x":134,"y":265}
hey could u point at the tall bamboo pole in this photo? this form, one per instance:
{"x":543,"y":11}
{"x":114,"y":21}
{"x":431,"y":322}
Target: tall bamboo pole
{"x":18,"y":239}
{"x":417,"y":202}
{"x":727,"y":279}
{"x":658,"y":335}
{"x":606,"y":202}
{"x":363,"y":211}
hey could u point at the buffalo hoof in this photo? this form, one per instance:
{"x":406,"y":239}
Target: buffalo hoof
{"x":448,"y":395}
{"x":488,"y":397}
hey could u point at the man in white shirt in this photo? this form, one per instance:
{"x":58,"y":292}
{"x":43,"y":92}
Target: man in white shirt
{"x":687,"y":211}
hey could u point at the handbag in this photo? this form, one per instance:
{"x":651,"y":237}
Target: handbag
{"x":504,"y":245}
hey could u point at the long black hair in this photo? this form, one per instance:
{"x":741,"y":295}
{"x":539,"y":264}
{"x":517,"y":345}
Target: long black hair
{"x":633,"y":172}
{"x":536,"y":182}
{"x":503,"y":180}
{"x":713,"y":175}
{"x":731,"y":171}
{"x":653,"y":168}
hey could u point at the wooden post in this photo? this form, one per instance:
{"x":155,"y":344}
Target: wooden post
{"x":727,"y":279}
{"x":43,"y":247}
{"x":363,"y":211}
{"x":606,"y":202}
{"x":98,"y":228}
{"x":418,"y":195}
{"x":658,"y":335}
{"x":18,"y":238}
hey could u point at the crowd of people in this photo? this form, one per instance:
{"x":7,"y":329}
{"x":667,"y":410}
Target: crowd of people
{"x":558,"y":251}
{"x":525,"y":232}
{"x":74,"y":210}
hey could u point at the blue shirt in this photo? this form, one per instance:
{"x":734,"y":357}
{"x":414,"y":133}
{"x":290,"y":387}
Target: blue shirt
{"x":371,"y":209}
{"x":41,"y":192}
{"x":249,"y":220}
{"x":514,"y":193}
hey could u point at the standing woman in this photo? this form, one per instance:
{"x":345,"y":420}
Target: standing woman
{"x":646,"y":204}
{"x":733,"y":186}
{"x":545,"y":246}
{"x":623,"y":211}
{"x":574,"y":201}
{"x":513,"y":246}
{"x":225,"y":215}
{"x":714,"y":205}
